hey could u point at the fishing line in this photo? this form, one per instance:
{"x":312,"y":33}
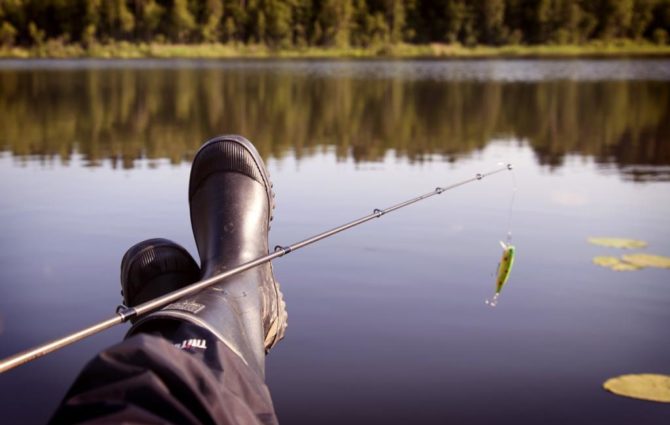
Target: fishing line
{"x":515,"y":188}
{"x":507,"y":259}
{"x":124,"y":313}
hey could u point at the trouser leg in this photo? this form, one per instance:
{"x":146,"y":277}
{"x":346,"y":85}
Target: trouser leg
{"x":179,"y":374}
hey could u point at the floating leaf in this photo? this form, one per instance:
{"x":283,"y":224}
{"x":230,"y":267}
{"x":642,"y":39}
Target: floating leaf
{"x":644,"y":386}
{"x":606,"y":261}
{"x":618,"y":242}
{"x":615,"y":264}
{"x":625,"y":267}
{"x":647,"y":260}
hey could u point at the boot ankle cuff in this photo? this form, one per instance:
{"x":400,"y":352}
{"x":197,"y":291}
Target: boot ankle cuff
{"x":149,"y":324}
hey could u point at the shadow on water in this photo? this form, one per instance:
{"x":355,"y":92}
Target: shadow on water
{"x":124,"y":114}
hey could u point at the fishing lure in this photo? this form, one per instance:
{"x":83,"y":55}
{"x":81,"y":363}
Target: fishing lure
{"x":504,"y":269}
{"x":507,"y":260}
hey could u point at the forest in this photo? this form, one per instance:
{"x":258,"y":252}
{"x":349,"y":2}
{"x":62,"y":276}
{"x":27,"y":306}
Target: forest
{"x":295,"y":24}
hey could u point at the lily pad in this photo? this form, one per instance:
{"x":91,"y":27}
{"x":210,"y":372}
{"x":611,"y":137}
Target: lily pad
{"x":646,"y":386}
{"x":647,"y":260}
{"x":615,"y":264}
{"x":618,"y":243}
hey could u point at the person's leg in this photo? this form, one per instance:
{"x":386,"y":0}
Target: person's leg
{"x":146,"y":379}
{"x":171,"y":367}
{"x":231,"y":203}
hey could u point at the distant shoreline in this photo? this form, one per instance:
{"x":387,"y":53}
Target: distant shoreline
{"x":125,"y":50}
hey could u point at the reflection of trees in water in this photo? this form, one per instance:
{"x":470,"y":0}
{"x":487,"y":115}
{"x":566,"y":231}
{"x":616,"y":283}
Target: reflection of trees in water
{"x":127,"y":114}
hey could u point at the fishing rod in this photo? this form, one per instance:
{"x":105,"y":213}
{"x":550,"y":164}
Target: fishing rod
{"x":124,"y":313}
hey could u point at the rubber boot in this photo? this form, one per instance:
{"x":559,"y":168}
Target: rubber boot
{"x":231,"y":204}
{"x":153,"y":268}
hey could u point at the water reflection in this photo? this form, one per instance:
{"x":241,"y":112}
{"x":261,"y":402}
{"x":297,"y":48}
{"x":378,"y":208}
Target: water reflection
{"x":124,"y":114}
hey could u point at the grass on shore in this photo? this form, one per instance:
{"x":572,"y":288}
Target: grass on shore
{"x":126,"y":50}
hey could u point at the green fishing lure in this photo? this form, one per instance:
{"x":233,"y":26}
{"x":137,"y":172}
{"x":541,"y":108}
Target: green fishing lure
{"x":504,"y":270}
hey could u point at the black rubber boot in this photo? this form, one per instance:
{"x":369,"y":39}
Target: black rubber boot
{"x":153,"y":268}
{"x":231,"y":204}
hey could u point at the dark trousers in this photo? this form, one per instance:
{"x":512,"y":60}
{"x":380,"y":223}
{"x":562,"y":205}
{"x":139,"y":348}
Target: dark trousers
{"x":148,"y":379}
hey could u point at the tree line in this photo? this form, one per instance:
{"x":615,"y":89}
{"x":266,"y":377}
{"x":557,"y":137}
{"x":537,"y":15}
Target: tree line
{"x":333,"y":23}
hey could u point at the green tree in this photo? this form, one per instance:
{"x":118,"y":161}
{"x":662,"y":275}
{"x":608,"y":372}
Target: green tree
{"x":117,"y":20}
{"x":642,"y":17}
{"x":229,"y":30}
{"x":335,"y":21}
{"x":182,"y":22}
{"x":397,"y":20}
{"x":456,"y":14}
{"x":542,"y":21}
{"x":37,"y":35}
{"x":360,"y":33}
{"x":92,"y":11}
{"x":492,"y":17}
{"x":7,"y":34}
{"x":379,"y":29}
{"x":660,"y":21}
{"x":211,"y":30}
{"x":279,"y":22}
{"x":617,"y":16}
{"x":302,"y":20}
{"x":261,"y":27}
{"x":148,"y":15}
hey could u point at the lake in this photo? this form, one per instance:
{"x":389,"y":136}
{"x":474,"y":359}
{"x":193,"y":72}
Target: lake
{"x":387,"y":322}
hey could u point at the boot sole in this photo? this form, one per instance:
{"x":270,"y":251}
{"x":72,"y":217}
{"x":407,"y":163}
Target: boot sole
{"x":138,"y":253}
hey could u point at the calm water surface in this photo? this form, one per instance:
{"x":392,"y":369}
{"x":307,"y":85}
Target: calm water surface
{"x":387,"y":323}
